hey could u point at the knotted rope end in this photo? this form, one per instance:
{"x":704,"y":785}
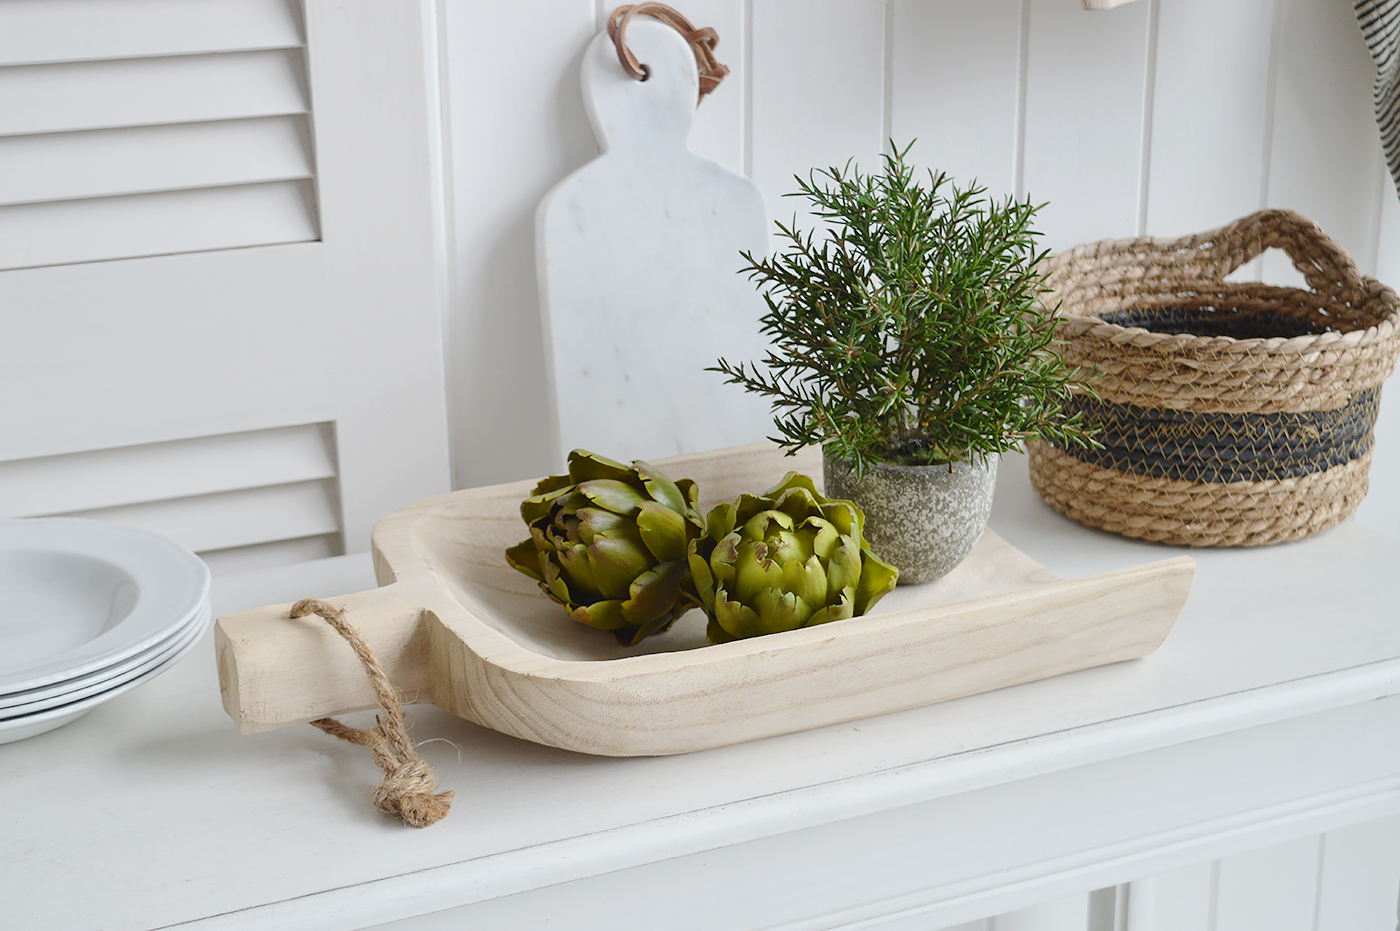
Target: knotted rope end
{"x":408,"y":789}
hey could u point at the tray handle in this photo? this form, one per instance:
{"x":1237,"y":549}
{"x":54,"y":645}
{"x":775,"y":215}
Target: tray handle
{"x":275,"y":670}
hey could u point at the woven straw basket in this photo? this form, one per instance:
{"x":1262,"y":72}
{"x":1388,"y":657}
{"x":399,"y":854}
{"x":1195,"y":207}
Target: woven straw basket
{"x":1231,"y":414}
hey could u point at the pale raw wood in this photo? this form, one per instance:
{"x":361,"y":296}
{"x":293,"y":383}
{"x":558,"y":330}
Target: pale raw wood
{"x":456,"y":626}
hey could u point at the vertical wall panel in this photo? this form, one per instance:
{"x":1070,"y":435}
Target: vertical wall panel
{"x":718,"y":132}
{"x":1360,"y":882}
{"x":818,"y":90}
{"x":956,"y":70}
{"x":1326,"y":150}
{"x":1086,"y":74}
{"x":1209,"y":114}
{"x":1381,"y":509}
{"x":511,"y":141}
{"x":1067,"y":914}
{"x":1274,"y":888}
{"x":1181,"y":900}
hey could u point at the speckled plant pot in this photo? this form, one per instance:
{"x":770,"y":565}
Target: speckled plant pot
{"x":923,"y":519}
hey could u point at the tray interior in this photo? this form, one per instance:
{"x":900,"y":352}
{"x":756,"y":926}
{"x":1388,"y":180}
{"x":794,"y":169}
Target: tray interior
{"x":464,"y":539}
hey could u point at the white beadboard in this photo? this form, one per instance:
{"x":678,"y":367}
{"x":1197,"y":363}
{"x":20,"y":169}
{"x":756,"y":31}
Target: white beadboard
{"x":158,"y":471}
{"x":1067,"y":914}
{"x":1274,"y":888}
{"x":1326,"y":150}
{"x":958,"y":64}
{"x":538,"y":134}
{"x":98,"y":163}
{"x":718,"y":130}
{"x":819,"y":87}
{"x":1085,"y":93}
{"x":1180,"y":900}
{"x":1380,"y":510}
{"x":65,"y":232}
{"x":1208,"y":145}
{"x":1360,"y":881}
{"x":33,"y":31}
{"x":147,"y":91}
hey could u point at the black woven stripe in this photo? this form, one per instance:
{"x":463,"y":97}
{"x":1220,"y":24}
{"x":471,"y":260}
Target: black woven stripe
{"x":1218,"y":447}
{"x":1211,"y":321}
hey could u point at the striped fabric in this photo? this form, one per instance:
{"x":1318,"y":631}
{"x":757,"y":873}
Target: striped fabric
{"x":1380,"y":23}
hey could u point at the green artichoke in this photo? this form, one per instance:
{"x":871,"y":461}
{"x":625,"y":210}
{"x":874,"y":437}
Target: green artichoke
{"x":609,"y":543}
{"x":785,"y":559}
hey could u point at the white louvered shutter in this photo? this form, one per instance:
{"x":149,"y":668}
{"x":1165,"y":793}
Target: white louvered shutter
{"x":219,"y":269}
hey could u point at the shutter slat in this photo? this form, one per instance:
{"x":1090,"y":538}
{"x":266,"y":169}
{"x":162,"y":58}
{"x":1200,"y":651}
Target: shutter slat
{"x":67,"y":166}
{"x":64,"y":232}
{"x":234,"y":518}
{"x":80,"y":30}
{"x":269,"y":555}
{"x":156,"y":471}
{"x":150,"y":91}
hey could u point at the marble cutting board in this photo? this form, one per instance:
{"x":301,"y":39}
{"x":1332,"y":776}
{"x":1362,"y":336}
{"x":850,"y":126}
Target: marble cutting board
{"x":638,"y":258}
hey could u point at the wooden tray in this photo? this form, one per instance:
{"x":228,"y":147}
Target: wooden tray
{"x":455,"y":626}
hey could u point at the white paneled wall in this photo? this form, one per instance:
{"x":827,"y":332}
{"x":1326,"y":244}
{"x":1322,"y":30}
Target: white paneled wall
{"x":1162,"y":117}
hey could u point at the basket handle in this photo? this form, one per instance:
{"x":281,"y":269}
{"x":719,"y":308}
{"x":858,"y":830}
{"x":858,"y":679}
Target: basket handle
{"x":1324,"y":264}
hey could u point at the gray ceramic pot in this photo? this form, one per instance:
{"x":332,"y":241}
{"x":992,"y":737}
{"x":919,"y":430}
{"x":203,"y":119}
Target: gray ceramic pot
{"x":923,"y":519}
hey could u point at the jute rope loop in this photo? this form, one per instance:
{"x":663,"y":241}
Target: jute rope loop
{"x":407,"y":791}
{"x":702,"y":42}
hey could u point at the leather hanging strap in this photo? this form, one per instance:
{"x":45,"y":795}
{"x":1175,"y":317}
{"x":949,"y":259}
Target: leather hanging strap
{"x":702,"y":42}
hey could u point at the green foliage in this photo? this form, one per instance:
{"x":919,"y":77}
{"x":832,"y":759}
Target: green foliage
{"x":912,"y":332}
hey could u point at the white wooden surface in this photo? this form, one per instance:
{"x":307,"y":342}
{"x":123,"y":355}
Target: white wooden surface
{"x":1255,"y":724}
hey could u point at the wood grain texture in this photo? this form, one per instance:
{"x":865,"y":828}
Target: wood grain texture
{"x":502,"y":655}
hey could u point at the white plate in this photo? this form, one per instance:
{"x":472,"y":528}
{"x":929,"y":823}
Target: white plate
{"x":92,"y":685}
{"x":145,"y":659}
{"x":29,"y":725}
{"x":79,"y":595}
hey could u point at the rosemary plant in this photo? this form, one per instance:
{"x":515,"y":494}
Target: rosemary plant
{"x":912,"y":331}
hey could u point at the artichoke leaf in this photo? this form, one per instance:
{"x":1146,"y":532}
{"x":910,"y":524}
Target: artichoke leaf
{"x":618,"y":557}
{"x":604,"y":615}
{"x":806,"y":580}
{"x":661,"y":488}
{"x":662,"y":530}
{"x":615,"y":496}
{"x":754,"y":571}
{"x":655,"y":592}
{"x":701,"y":578}
{"x":525,"y":558}
{"x":877,"y":579}
{"x":585,"y":466}
{"x":738,"y":620}
{"x":577,"y":570}
{"x":779,"y":610}
{"x":594,"y":521}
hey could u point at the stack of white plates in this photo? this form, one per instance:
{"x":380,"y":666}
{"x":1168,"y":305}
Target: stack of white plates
{"x":89,"y":610}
